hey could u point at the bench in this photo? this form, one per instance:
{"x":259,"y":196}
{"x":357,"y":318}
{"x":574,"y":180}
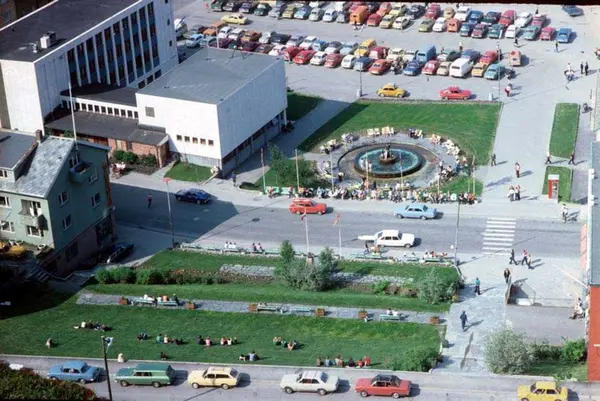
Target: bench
{"x":410,"y":259}
{"x":167,"y":303}
{"x":141,"y":301}
{"x":269,"y":308}
{"x":232,"y":250}
{"x":302,"y":309}
{"x":270,"y":251}
{"x":383,"y":317}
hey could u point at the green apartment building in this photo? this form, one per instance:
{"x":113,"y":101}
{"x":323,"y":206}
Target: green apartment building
{"x":55,"y":192}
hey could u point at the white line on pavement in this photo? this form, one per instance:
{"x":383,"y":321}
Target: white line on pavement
{"x":499,"y":235}
{"x":500,"y":219}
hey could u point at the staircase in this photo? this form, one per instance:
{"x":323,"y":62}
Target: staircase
{"x":37,"y":274}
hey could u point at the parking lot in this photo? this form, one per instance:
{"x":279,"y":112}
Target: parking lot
{"x":542,"y":70}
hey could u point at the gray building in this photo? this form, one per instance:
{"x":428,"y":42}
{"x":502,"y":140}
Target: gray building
{"x":55,"y":192}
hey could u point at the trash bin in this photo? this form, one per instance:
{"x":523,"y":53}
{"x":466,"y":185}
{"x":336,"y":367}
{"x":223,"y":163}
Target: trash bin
{"x":491,"y":97}
{"x":358,"y":93}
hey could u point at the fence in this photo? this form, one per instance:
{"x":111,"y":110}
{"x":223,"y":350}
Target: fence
{"x":596,"y":106}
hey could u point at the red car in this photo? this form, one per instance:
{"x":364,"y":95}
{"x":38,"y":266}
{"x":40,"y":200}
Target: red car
{"x":433,"y":11}
{"x":489,"y":57}
{"x":380,"y":67}
{"x":304,"y":57}
{"x":386,"y":385}
{"x":221,"y":43}
{"x":508,"y":18}
{"x":374,"y":19}
{"x":333,"y":60}
{"x":264,"y":49}
{"x":547,"y":33}
{"x":384,"y":8}
{"x":308,"y":206}
{"x":290,"y":52}
{"x":455,"y":93}
{"x":431,"y":67}
{"x":539,"y":20}
{"x":250,"y":46}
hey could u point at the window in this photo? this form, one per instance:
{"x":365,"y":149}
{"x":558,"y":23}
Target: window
{"x":7,"y":226}
{"x":141,"y":84}
{"x":166,"y":1}
{"x":135,"y":114}
{"x":168,"y":21}
{"x":179,"y":137}
{"x":123,"y":113}
{"x":186,"y":138}
{"x":83,"y":106}
{"x":116,"y":29}
{"x":93,"y":176}
{"x":74,"y":160}
{"x":151,"y":9}
{"x":119,"y":50}
{"x":157,"y":74}
{"x":34,"y":232}
{"x":136,"y":40}
{"x":211,"y":142}
{"x":67,"y":222}
{"x":195,"y":140}
{"x":149,"y":111}
{"x":107,"y":34}
{"x":103,"y":110}
{"x":170,"y":43}
{"x":110,"y":111}
{"x":129,"y":114}
{"x":4,"y":201}
{"x":150,"y":79}
{"x":133,"y":18}
{"x":31,"y":208}
{"x":89,"y":44}
{"x":202,"y":141}
{"x":97,"y":109}
{"x":127,"y":46}
{"x":125,"y":24}
{"x":96,"y":200}
{"x":63,"y":198}
{"x":72,"y":251}
{"x":3,"y":174}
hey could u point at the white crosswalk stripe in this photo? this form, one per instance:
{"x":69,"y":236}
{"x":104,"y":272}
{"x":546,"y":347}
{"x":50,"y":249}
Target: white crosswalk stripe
{"x":499,"y":236}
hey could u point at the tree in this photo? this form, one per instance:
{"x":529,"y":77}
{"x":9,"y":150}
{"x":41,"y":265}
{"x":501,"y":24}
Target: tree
{"x":300,"y":275}
{"x":286,"y":252}
{"x":506,"y":352}
{"x":285,"y":169}
{"x":434,"y":288}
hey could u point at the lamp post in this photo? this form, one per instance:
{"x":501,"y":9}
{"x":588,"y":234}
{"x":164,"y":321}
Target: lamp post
{"x":106,"y":343}
{"x":297,"y":172}
{"x":331,"y":167}
{"x":456,"y":239}
{"x":359,"y":91}
{"x":166,"y":179}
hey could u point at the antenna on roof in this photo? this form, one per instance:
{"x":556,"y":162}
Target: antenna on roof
{"x":72,"y":104}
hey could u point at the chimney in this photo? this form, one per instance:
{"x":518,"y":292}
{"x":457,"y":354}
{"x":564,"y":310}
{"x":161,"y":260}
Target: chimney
{"x":39,"y":135}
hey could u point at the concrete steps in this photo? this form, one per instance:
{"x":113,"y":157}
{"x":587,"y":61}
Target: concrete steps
{"x":37,"y":274}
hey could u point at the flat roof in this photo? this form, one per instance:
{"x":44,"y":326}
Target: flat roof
{"x":13,"y":147}
{"x":101,"y":125}
{"x":210,"y":75}
{"x":68,"y":18}
{"x":105,"y":93}
{"x":594,"y":219}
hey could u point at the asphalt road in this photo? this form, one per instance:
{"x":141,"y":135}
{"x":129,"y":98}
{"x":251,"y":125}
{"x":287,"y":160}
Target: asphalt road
{"x":223,"y":221}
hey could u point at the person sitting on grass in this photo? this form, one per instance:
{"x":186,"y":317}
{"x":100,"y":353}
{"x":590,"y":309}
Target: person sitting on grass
{"x":200,"y":340}
{"x":163,"y":356}
{"x":207,"y":341}
{"x":339,"y":362}
{"x":284,"y":344}
{"x":319,"y":362}
{"x":389,"y":312}
{"x":367,"y":361}
{"x":328,"y":362}
{"x":179,"y":341}
{"x":166,"y":340}
{"x":351,"y":363}
{"x":49,"y":343}
{"x":277,"y":340}
{"x":159,"y":338}
{"x":223,"y":341}
{"x":360,"y":363}
{"x":175,"y":299}
{"x":243,"y":358}
{"x":293,"y":345}
{"x":230,"y":342}
{"x":252,"y":357}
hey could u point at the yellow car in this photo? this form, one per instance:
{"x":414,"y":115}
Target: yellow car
{"x":398,"y":10}
{"x":235,"y":19}
{"x":542,"y":391}
{"x":448,"y":12}
{"x":365,"y":47}
{"x":444,"y":68}
{"x":15,"y":252}
{"x":387,"y":21}
{"x":479,"y":70}
{"x":426,"y":25}
{"x":391,"y":90}
{"x":214,"y":377}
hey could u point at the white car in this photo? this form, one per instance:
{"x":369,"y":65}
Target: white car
{"x":523,"y":19}
{"x":236,"y":34}
{"x":277,"y":50}
{"x":349,"y":48}
{"x":401,"y":22}
{"x":348,"y":61}
{"x":316,"y":14}
{"x":194,"y":40}
{"x":440,"y":25}
{"x":390,"y":238}
{"x":395,"y":54}
{"x":226,"y":30}
{"x":462,"y":14}
{"x":330,"y":15}
{"x":318,"y":58}
{"x":512,"y":32}
{"x":313,"y":381}
{"x":308,"y":42}
{"x":409,"y":55}
{"x":314,"y":4}
{"x":265,"y":38}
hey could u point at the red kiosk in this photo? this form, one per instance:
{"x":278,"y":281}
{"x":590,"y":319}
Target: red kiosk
{"x":553,"y":181}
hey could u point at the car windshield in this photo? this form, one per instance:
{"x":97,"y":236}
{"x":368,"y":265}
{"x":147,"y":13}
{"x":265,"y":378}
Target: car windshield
{"x":84,"y":368}
{"x":234,"y":373}
{"x":424,"y":208}
{"x":533,"y":388}
{"x":324,"y":377}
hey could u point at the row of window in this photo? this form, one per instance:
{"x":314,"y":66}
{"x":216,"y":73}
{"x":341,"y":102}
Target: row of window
{"x":195,"y":141}
{"x":102,"y":110}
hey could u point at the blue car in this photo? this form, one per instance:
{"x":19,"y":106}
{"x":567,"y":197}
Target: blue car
{"x":192,"y":195}
{"x":572,"y":11}
{"x":303,"y":12}
{"x":74,"y":371}
{"x":475,"y":17}
{"x":319,"y":45}
{"x":119,"y":251}
{"x":416,"y":211}
{"x":494,"y":71}
{"x":472,"y":55}
{"x":563,"y":35}
{"x":413,"y":68}
{"x":466,"y":29}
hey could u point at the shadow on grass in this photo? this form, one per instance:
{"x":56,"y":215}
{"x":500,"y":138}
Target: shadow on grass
{"x":32,"y":298}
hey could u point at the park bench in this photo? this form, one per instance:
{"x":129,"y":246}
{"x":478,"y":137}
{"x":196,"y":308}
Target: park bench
{"x":269,"y":308}
{"x":271,"y":251}
{"x":302,"y":309}
{"x":383,"y":317}
{"x":432,"y":260}
{"x":141,"y":301}
{"x":167,"y":303}
{"x":232,"y":250}
{"x":410,"y":259}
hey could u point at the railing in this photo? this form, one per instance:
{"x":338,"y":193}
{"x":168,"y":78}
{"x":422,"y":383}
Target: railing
{"x":596,"y":106}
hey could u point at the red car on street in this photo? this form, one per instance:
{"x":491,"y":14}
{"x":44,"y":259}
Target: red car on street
{"x":431,"y":67}
{"x":547,"y":33}
{"x":308,"y":206}
{"x":385,"y":385}
{"x":455,"y":93}
{"x":489,"y":57}
{"x":380,"y":67}
{"x":333,"y":60}
{"x":304,"y":57}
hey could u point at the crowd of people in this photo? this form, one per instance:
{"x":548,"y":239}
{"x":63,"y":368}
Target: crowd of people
{"x":160,"y":339}
{"x":340,"y":363}
{"x":208,"y":342}
{"x":291,"y":345}
{"x":93,"y":326}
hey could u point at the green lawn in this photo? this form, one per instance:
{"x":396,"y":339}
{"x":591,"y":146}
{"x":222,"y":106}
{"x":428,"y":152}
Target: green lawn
{"x":189,"y":172}
{"x":559,"y":369}
{"x":471,"y":126}
{"x":460,"y":184}
{"x":564,"y":129}
{"x":275,"y":293}
{"x":564,"y":184}
{"x":26,"y":331}
{"x":300,"y":105}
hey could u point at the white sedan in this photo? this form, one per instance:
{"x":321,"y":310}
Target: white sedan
{"x":440,"y":25}
{"x":318,"y":58}
{"x":277,"y":50}
{"x":330,"y":15}
{"x":308,"y":42}
{"x":390,"y":238}
{"x":512,"y":32}
{"x":348,"y":61}
{"x":314,"y":381}
{"x":523,"y":19}
{"x":265,"y":38}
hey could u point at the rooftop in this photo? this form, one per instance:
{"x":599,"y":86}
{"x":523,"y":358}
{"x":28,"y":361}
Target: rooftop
{"x":104,"y":93}
{"x":594,"y":218}
{"x":68,"y":18}
{"x":104,"y":126}
{"x":210,"y":75}
{"x":13,"y":147}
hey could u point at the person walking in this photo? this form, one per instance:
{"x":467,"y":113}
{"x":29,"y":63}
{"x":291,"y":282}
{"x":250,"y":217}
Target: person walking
{"x":586,"y":68}
{"x":149,"y":200}
{"x":581,"y":68}
{"x":493,"y":163}
{"x":507,"y":274}
{"x":477,"y":286}
{"x":517,"y":169}
{"x":548,"y":161}
{"x":512,"y":258}
{"x":516,"y":42}
{"x":463,"y":320}
{"x":555,"y":47}
{"x":367,"y":250}
{"x":460,"y":46}
{"x":529,"y":258}
{"x":524,"y":260}
{"x":572,"y":158}
{"x":564,"y":213}
{"x":518,"y":193}
{"x":233,"y":178}
{"x":511,"y":193}
{"x":507,"y":91}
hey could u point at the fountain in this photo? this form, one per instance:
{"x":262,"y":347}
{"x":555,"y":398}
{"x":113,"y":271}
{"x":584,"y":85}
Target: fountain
{"x":389,"y":161}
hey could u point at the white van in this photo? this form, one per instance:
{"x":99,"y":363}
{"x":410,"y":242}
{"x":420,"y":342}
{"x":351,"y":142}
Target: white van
{"x":180,"y":27}
{"x":409,"y":55}
{"x":460,"y":68}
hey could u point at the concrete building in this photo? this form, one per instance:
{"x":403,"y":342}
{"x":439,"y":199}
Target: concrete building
{"x":114,"y":42}
{"x":55,"y":192}
{"x":8,"y":12}
{"x":591,"y":264}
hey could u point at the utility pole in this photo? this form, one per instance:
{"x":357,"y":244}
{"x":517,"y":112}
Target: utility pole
{"x":297,"y":172}
{"x":331,"y":166}
{"x":456,"y":239}
{"x":166,"y":179}
{"x":106,"y":342}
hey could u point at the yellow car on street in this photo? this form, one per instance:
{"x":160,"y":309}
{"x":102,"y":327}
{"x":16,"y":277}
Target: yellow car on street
{"x":543,"y":391}
{"x":391,"y":90}
{"x":214,"y":377}
{"x":235,"y":19}
{"x":479,"y":70}
{"x":426,"y":25}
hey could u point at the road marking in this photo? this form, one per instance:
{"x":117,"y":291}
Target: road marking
{"x":500,"y":219}
{"x":498,"y":236}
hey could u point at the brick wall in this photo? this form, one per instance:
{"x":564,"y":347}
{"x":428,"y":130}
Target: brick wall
{"x":593,"y":359}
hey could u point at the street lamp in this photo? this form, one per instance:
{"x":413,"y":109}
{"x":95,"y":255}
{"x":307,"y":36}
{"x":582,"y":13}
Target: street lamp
{"x":456,"y":238}
{"x":106,"y":342}
{"x":331,"y":168}
{"x":166,"y":180}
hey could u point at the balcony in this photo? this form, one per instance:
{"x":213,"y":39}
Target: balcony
{"x":34,"y":221}
{"x":80,"y":173}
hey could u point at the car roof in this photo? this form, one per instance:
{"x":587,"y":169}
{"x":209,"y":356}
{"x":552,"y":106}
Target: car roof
{"x":390,"y":232}
{"x":415,"y":204}
{"x":546,"y":385}
{"x":152,"y":366}
{"x":219,"y":369}
{"x":564,"y":30}
{"x":312,"y":374}
{"x":384,"y":378}
{"x":74,"y":364}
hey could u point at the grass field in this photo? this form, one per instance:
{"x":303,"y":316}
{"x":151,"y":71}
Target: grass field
{"x":471,"y":126}
{"x":559,"y":370}
{"x":28,"y":328}
{"x":564,"y":184}
{"x":188,"y":172}
{"x":564,"y":129}
{"x":460,"y":184}
{"x":300,"y":105}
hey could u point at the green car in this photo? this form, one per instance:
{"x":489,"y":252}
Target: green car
{"x":531,"y":32}
{"x":154,"y":374}
{"x":426,"y":25}
{"x":494,"y":71}
{"x":496,"y":31}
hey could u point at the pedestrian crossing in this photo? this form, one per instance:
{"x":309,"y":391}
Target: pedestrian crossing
{"x":499,"y":236}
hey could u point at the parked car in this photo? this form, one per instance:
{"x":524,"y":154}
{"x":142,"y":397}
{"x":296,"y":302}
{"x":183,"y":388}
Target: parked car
{"x":194,"y":40}
{"x":475,"y":17}
{"x":547,"y":33}
{"x":494,"y":71}
{"x":444,"y":68}
{"x":232,"y":6}
{"x":431,"y":67}
{"x":220,"y":43}
{"x":330,"y":15}
{"x":277,"y":50}
{"x":395,"y":54}
{"x":489,"y":57}
{"x":471,"y":55}
{"x":363,"y":63}
{"x":280,"y":38}
{"x":539,"y":20}
{"x":496,"y":31}
{"x":384,"y":385}
{"x":264,"y":48}
{"x":374,"y":19}
{"x":409,"y":55}
{"x":348,"y":61}
{"x":479,"y":31}
{"x":307,"y":206}
{"x":448,"y":12}
{"x":302,"y":13}
{"x":572,"y":10}
{"x":308,"y":42}
{"x":463,"y":13}
{"x":249,"y":46}
{"x":531,"y":32}
{"x":289,"y":11}
{"x":277,"y":11}
{"x":401,"y":22}
{"x":314,"y":381}
{"x":563,"y":35}
{"x":543,"y":391}
{"x":349,"y":48}
{"x":387,"y":22}
{"x":224,"y":32}
{"x":479,"y":69}
{"x":262,"y":9}
{"x":304,"y":57}
{"x":217,"y":5}
{"x":333,"y":60}
{"x":508,"y":18}
{"x":440,"y":25}
{"x":523,"y":19}
{"x":342,"y":17}
{"x":155,"y":374}
{"x":74,"y":371}
{"x":466,"y":29}
{"x":398,"y":9}
{"x":491,"y":18}
{"x":119,"y":251}
{"x":426,"y":25}
{"x":318,"y":59}
{"x":238,"y":19}
{"x":251,"y":36}
{"x":333,"y":47}
{"x":193,"y":195}
{"x":384,"y":8}
{"x":512,"y":32}
{"x":432,"y":12}
{"x":391,"y":90}
{"x":296,"y":41}
{"x":415,"y":11}
{"x":448,"y":55}
{"x":455,"y":93}
{"x":413,"y":68}
{"x":380,"y":67}
{"x":236,"y":34}
{"x":214,"y":377}
{"x":390,"y":238}
{"x":249,"y":7}
{"x":319,"y":45}
{"x":316,"y":14}
{"x":196,"y":29}
{"x":266,"y":37}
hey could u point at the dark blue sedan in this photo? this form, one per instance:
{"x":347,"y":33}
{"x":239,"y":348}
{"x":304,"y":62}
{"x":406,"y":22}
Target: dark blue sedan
{"x":119,"y":251}
{"x":413,"y":68}
{"x":475,"y":17}
{"x":192,"y":195}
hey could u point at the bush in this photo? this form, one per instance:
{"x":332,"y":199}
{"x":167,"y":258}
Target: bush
{"x":104,"y":276}
{"x":380,"y":287}
{"x":419,"y":359}
{"x":148,"y":161}
{"x":286,"y":251}
{"x":506,"y":352}
{"x":434,"y":288}
{"x":303,"y":276}
{"x":119,"y":155}
{"x":130,"y":158}
{"x":285,"y":168}
{"x":123,"y":275}
{"x":150,"y":277}
{"x":545,"y":352}
{"x":573,"y":351}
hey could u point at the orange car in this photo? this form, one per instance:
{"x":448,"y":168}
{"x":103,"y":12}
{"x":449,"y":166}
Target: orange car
{"x":308,"y":206}
{"x":251,"y":36}
{"x":304,"y":57}
{"x":489,"y":57}
{"x":380,"y":67}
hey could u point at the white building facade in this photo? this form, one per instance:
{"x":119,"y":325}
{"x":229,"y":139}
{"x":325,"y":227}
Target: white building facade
{"x":115,"y":42}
